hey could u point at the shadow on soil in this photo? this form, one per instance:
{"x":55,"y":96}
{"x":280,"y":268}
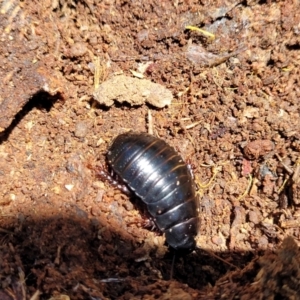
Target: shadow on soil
{"x":41,"y":100}
{"x":84,"y":259}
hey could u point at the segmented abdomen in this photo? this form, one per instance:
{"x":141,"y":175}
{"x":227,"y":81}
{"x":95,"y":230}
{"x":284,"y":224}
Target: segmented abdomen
{"x":157,"y":174}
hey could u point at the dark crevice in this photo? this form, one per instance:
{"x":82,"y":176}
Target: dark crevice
{"x":293,"y":47}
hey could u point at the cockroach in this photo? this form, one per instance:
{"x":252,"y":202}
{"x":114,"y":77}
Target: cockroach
{"x":157,"y":174}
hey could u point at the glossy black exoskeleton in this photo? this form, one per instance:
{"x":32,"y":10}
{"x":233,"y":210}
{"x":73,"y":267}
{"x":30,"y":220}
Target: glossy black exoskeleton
{"x":155,"y":172}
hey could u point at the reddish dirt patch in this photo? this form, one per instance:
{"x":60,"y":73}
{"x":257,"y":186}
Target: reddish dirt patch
{"x":234,"y":116}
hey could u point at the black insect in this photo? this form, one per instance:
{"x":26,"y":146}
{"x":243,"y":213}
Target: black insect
{"x":158,"y":176}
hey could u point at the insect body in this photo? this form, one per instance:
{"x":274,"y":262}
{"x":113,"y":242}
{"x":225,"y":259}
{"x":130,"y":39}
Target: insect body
{"x":158,"y":176}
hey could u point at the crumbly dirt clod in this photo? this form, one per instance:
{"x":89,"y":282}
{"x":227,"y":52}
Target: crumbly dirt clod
{"x":133,"y":91}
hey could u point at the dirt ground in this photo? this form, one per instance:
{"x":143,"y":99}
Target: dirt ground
{"x":231,"y":72}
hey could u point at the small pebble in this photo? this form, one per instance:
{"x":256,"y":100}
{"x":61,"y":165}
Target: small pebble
{"x":81,"y":129}
{"x":78,"y":49}
{"x":253,"y":217}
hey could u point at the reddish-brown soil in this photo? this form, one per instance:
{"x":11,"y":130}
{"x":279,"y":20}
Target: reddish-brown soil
{"x":65,"y":234}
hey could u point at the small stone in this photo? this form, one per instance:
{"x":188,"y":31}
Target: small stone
{"x":81,"y":130}
{"x":253,"y":217}
{"x":78,"y":49}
